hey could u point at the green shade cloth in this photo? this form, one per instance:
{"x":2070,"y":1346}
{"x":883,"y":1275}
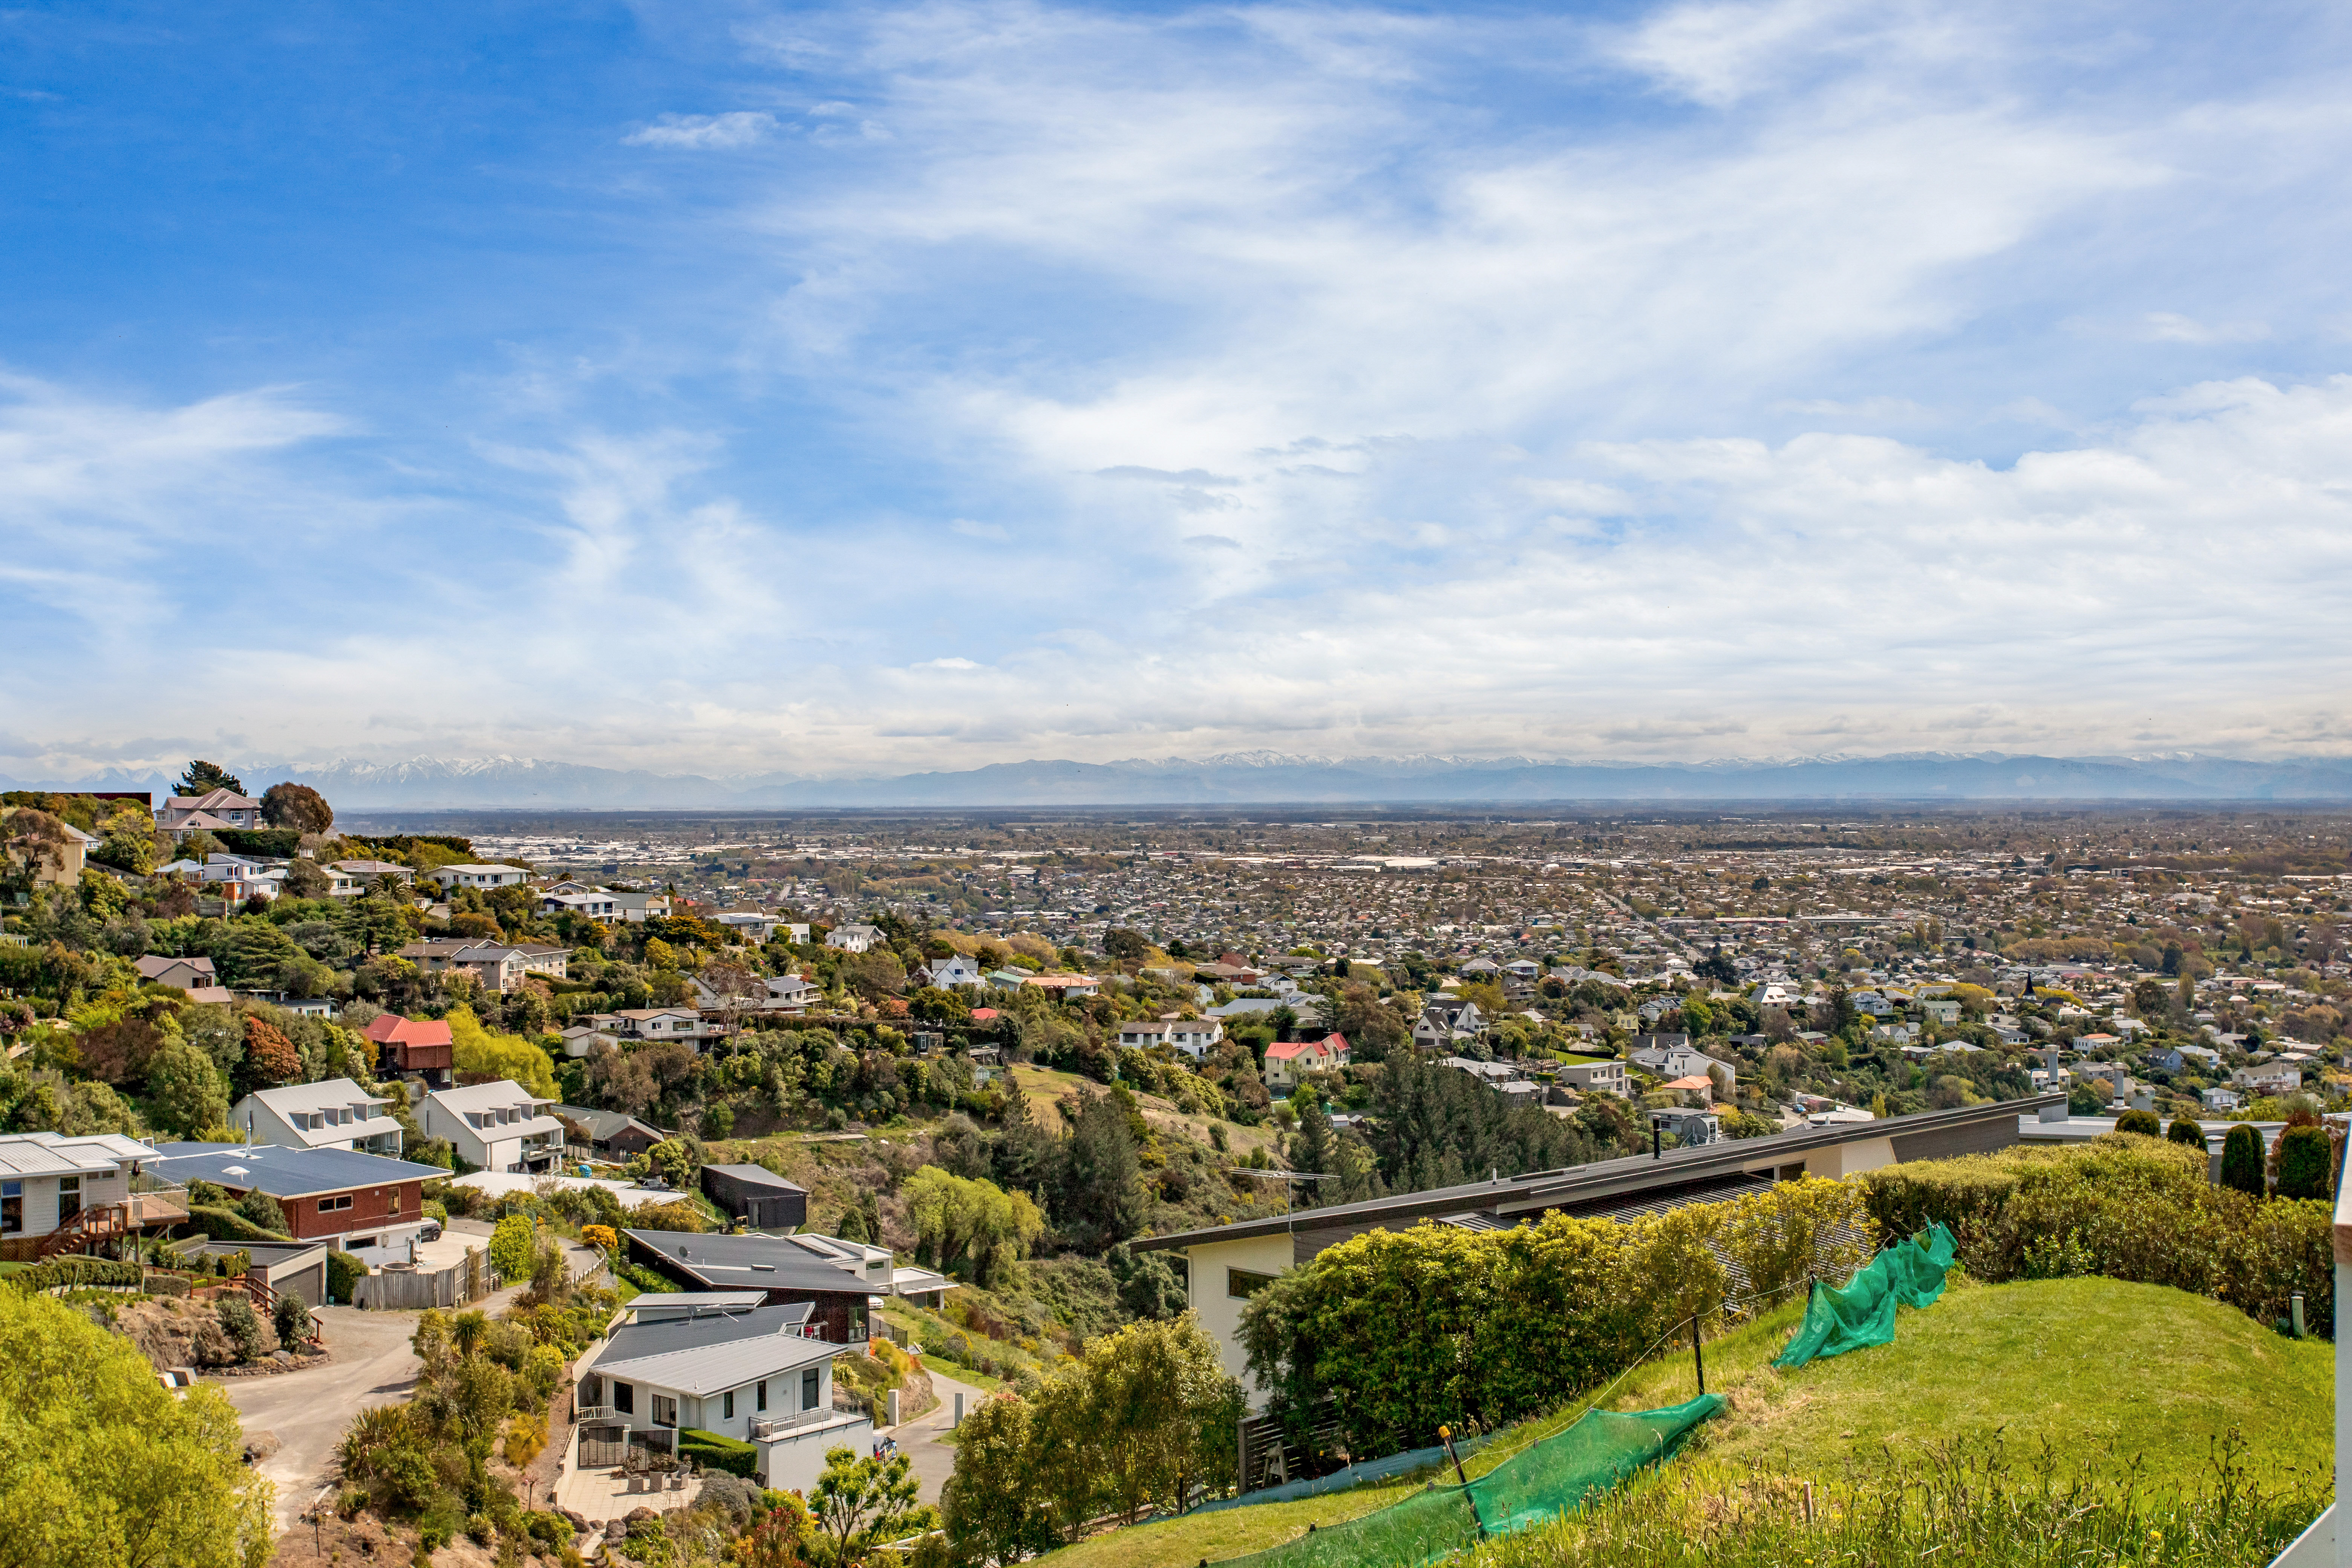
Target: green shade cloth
{"x":1600,"y":1448}
{"x":1862,"y":1312}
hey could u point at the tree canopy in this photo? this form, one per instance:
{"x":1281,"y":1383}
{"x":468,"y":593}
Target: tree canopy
{"x":203,"y":778}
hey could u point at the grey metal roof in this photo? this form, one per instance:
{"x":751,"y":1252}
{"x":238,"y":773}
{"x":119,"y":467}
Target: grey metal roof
{"x":1576,"y":1186}
{"x":688,"y":1302}
{"x":285,"y":1172}
{"x":634,"y":1342}
{"x":747,"y":1262}
{"x":757,"y":1176}
{"x":35,"y":1156}
{"x":709,"y":1365}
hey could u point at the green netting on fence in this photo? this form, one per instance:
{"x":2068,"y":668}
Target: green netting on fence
{"x":1596,"y":1451}
{"x":1862,"y":1312}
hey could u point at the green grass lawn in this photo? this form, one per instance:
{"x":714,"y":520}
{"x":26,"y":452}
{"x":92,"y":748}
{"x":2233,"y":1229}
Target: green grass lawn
{"x":2095,"y":1366}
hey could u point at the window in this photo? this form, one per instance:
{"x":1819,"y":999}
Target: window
{"x":808,"y":1389}
{"x":12,"y":1208}
{"x":395,"y":1201}
{"x":69,"y":1197}
{"x":624,"y":1398}
{"x":760,"y":1397}
{"x":1241,"y":1284}
{"x":664,"y":1410}
{"x":332,"y":1205}
{"x":726,"y":1406}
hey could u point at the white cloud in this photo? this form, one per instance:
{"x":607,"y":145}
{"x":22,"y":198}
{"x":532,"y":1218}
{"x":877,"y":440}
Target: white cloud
{"x":738,"y":128}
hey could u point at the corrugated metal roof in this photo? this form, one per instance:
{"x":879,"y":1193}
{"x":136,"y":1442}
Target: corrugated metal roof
{"x":709,"y":1365}
{"x":29,"y":1157}
{"x":754,"y":1261}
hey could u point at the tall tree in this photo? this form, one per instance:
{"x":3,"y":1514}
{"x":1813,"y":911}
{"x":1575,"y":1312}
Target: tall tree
{"x":1102,"y":1197}
{"x":203,"y":778}
{"x":298,"y":806}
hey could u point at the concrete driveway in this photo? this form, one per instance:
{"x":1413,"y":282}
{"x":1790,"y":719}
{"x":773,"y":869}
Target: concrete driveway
{"x":308,"y":1410}
{"x":934,"y":1461}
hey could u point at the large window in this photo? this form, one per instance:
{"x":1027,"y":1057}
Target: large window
{"x":809,"y":1389}
{"x":69,"y":1197}
{"x":624,"y":1398}
{"x":12,"y":1208}
{"x":1241,"y":1284}
{"x":664,"y":1410}
{"x":726,"y":1406}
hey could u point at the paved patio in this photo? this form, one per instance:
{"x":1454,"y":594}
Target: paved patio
{"x":599,"y":1495}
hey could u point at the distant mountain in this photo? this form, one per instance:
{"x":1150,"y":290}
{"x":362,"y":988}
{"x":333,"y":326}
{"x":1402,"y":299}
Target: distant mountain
{"x":425,"y":783}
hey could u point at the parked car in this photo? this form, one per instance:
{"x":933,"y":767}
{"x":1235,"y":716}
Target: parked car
{"x":432,"y":1231}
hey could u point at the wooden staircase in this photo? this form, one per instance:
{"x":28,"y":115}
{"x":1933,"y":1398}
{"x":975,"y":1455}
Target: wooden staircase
{"x":99,"y":1223}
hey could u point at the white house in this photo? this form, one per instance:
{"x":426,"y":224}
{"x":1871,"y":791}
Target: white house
{"x":220,"y":807}
{"x":756,"y":926}
{"x":853,"y":938}
{"x":474,"y":876}
{"x":598,"y":905}
{"x":789,"y":991}
{"x":651,"y":1023}
{"x":333,"y":1114}
{"x":717,"y":1361}
{"x":1192,"y":1036}
{"x":1682,"y":1061}
{"x":953,"y":970}
{"x":495,"y":1126}
{"x":2270,"y":1077}
{"x":1605,"y":1077}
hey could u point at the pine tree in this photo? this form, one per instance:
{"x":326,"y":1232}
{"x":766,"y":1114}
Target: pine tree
{"x":203,"y":778}
{"x":2302,"y":1163}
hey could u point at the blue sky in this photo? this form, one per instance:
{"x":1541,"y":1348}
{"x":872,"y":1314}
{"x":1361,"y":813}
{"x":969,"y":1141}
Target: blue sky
{"x":748,"y":388}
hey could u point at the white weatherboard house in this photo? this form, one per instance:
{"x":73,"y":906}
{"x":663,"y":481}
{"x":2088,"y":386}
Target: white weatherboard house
{"x":333,"y":1114}
{"x":717,"y":1361}
{"x":480,"y":876}
{"x":499,"y":1126}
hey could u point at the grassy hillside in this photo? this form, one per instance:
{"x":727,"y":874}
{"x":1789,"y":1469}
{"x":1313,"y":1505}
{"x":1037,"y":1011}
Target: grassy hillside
{"x":2093,"y":1365}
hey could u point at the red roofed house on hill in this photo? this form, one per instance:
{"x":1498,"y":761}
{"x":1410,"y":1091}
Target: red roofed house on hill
{"x":1288,"y":1061}
{"x":413,"y":1047}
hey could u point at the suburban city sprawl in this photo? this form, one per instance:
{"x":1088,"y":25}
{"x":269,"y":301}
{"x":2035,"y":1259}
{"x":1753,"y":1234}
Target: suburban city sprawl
{"x":988,"y":1185}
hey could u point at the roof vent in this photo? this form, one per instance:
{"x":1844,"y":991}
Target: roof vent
{"x":765,"y":1268}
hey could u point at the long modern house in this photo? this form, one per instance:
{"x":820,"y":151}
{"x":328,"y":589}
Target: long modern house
{"x":728,"y":1362}
{"x":783,"y":1268}
{"x":334,"y":1113}
{"x":1225,"y":1265}
{"x":69,"y":1194}
{"x":353,"y":1202}
{"x":499,"y":1126}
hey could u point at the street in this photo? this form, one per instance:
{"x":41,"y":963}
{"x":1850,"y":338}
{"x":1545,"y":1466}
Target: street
{"x":933,"y":1461}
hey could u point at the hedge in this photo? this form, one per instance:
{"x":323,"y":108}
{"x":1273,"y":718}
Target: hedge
{"x":717,"y":1453}
{"x":2125,"y":1206}
{"x":343,"y":1274}
{"x":228,"y":1225}
{"x":72,"y":1271}
{"x":1403,"y":1331}
{"x":273,"y":843}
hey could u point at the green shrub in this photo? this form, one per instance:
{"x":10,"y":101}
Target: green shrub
{"x":242,"y":1323}
{"x":261,"y":1211}
{"x":2122,"y":1207}
{"x":2303,"y":1158}
{"x":1409,"y":1330}
{"x":343,"y":1274}
{"x":2241,"y":1161}
{"x":2184,"y":1130}
{"x":68,"y":1272}
{"x":720,"y":1453}
{"x":291,"y":1320}
{"x":2143,"y":1122}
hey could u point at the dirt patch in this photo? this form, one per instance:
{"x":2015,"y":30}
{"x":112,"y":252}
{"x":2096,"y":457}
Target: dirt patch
{"x":171,"y":1332}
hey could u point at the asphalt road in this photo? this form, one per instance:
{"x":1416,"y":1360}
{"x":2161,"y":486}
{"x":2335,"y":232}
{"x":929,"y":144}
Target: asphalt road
{"x":934,"y":1461}
{"x":308,"y":1410}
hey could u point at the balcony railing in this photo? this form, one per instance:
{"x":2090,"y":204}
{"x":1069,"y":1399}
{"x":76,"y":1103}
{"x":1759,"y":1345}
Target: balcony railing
{"x":779,"y":1426}
{"x":586,"y":1414}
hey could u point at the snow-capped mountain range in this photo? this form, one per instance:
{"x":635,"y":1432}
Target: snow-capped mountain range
{"x":425,"y":783}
